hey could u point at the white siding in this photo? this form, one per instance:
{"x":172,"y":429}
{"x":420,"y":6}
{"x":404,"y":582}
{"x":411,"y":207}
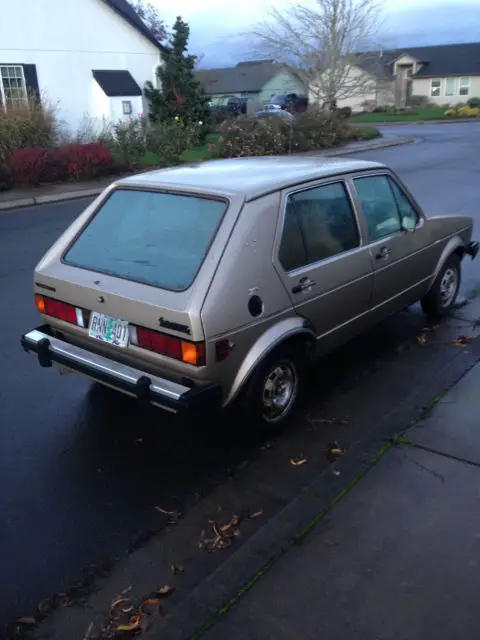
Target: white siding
{"x":356,"y":77}
{"x":66,"y":40}
{"x":421,"y":87}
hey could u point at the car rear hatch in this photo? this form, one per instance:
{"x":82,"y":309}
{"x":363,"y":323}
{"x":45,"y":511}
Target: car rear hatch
{"x":128,"y":279}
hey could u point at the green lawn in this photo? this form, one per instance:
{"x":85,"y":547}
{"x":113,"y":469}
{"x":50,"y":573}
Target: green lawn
{"x":428,"y":113}
{"x":201,"y":153}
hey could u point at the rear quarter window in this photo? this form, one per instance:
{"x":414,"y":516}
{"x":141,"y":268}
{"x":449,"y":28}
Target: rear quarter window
{"x":157,"y":238}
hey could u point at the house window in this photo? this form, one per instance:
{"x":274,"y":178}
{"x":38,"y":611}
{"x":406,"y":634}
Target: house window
{"x":450,"y":86}
{"x":127,"y":107}
{"x":435,"y":88}
{"x":13,"y":90}
{"x":464,"y":86}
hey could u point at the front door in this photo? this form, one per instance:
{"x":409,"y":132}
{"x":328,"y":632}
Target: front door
{"x":323,"y":262}
{"x":403,"y":261}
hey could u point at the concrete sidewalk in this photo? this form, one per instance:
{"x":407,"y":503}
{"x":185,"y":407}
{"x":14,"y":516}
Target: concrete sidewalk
{"x":398,"y":558}
{"x":47,"y":194}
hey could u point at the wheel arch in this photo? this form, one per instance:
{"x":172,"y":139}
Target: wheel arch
{"x":288,"y":331}
{"x":454,"y":246}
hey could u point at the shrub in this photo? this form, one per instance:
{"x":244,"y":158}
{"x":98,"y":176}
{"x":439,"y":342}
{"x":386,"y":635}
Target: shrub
{"x":6,"y":179}
{"x":450,"y":113}
{"x":33,"y":166}
{"x":309,"y":131}
{"x":363,"y":133}
{"x":169,"y":140}
{"x":460,"y":105}
{"x":474,"y":103}
{"x":130,"y":140}
{"x":463,"y":112}
{"x":27,"y":126}
{"x":473,"y":112}
{"x":417,"y":101}
{"x":344,"y":112}
{"x":86,"y":161}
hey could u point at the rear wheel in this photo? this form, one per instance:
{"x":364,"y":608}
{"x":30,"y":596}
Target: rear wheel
{"x":442,"y":296}
{"x":276,"y":387}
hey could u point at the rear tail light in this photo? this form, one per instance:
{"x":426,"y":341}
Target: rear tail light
{"x":59,"y":310}
{"x":188,"y":352}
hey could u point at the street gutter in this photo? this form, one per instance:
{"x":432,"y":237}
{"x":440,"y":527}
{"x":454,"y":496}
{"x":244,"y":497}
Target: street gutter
{"x":21,"y":203}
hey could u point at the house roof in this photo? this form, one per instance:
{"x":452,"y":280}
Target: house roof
{"x":117,"y":83}
{"x":125,"y":10}
{"x":437,"y":60}
{"x":245,"y":77}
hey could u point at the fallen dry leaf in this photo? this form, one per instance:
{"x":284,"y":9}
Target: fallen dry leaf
{"x":150,"y":607}
{"x":257,"y":514}
{"x":172,"y":516}
{"x":133,"y":625}
{"x":333,"y":420}
{"x":223,"y":535}
{"x":299,"y":460}
{"x":27,"y":620}
{"x":165,"y":591}
{"x":88,"y":632}
{"x":461,"y":341}
{"x":333,"y":451}
{"x":422,"y":339}
{"x":176,"y":569}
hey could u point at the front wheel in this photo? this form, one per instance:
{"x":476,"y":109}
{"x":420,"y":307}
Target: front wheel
{"x":439,"y":301}
{"x":275,"y":388}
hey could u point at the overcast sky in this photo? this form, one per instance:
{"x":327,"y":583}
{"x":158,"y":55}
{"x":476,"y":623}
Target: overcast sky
{"x":217,"y":25}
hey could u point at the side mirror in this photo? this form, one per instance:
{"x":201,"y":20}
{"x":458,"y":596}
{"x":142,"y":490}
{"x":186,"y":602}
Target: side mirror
{"x":409,"y":224}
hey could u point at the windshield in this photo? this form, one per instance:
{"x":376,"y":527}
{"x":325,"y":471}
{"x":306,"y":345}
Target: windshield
{"x":153,"y":237}
{"x":278,"y":99}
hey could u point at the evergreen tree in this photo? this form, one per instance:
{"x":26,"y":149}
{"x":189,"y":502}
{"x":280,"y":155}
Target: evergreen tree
{"x":180,"y":94}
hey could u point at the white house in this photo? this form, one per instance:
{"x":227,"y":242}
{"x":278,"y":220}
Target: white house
{"x":88,"y":57}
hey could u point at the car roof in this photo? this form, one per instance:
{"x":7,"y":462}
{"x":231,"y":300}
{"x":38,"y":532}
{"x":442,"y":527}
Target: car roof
{"x":250,"y":177}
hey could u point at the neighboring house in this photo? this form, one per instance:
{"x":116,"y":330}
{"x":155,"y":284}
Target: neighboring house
{"x":443,"y":74}
{"x":89,"y":58}
{"x":258,"y":81}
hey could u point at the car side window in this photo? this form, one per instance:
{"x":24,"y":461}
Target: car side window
{"x":319,"y":223}
{"x":404,"y":205}
{"x":379,"y":206}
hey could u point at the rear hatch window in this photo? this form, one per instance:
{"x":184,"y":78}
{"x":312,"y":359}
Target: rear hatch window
{"x":157,"y":238}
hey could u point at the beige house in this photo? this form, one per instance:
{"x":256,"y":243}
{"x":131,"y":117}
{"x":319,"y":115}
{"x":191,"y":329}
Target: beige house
{"x":442,"y":74}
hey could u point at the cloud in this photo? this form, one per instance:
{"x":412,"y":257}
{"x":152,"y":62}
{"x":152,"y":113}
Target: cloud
{"x":217,"y":26}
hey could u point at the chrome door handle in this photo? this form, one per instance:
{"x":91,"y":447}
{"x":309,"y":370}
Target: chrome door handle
{"x":305,"y":283}
{"x":383,"y":254}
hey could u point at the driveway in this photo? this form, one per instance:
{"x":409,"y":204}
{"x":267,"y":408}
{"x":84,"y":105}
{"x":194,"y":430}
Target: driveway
{"x":80,"y":476}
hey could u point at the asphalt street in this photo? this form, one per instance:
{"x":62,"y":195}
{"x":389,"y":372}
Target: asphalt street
{"x":80,"y":477}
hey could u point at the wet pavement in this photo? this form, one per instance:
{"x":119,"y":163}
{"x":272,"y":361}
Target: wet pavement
{"x":81,"y":472}
{"x":397,"y":558}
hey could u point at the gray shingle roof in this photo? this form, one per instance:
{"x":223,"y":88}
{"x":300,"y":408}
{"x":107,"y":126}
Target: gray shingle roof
{"x":117,"y":83}
{"x":438,"y":60}
{"x":128,"y":13}
{"x":245,"y":77}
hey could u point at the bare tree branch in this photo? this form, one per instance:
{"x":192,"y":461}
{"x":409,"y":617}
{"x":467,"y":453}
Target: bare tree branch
{"x":326,"y":44}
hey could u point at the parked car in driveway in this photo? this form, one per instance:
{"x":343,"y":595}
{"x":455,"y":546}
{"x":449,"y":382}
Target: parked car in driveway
{"x":217,"y":283}
{"x":286,"y":116}
{"x":292,"y":102}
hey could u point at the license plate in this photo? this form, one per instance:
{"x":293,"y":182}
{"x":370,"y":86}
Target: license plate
{"x":108,"y":329}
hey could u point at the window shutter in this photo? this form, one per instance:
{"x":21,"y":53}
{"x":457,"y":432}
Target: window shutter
{"x":31,"y":80}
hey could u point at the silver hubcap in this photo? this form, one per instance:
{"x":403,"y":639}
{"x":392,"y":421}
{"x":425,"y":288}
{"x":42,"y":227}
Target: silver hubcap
{"x":448,"y":287}
{"x":279,"y":391}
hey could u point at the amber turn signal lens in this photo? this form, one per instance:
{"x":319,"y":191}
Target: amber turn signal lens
{"x":193,"y":353}
{"x":40,"y":303}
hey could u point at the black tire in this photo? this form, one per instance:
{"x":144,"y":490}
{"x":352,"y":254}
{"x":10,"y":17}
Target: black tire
{"x":438,"y":302}
{"x":285,"y":367}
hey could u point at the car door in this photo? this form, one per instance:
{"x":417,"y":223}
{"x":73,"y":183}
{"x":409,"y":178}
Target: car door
{"x":323,"y":262}
{"x":401,"y":250}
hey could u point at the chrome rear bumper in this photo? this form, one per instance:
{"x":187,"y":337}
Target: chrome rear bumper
{"x":148,"y":388}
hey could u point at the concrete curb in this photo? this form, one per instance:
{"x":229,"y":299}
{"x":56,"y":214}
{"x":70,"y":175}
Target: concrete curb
{"x":87,"y":193}
{"x":414,"y":122}
{"x":370,"y":147}
{"x":48,"y":199}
